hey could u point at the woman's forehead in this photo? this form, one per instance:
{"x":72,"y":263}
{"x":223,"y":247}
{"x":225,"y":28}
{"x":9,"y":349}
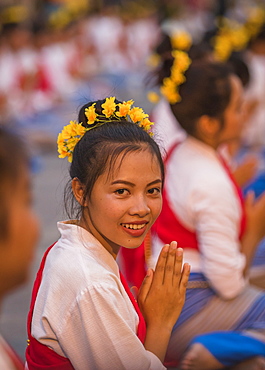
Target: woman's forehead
{"x":133,"y":163}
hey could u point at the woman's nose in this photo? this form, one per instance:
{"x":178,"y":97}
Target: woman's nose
{"x":139,"y":207}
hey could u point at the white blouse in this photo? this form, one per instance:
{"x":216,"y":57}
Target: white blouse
{"x":82,"y":310}
{"x":204,"y":199}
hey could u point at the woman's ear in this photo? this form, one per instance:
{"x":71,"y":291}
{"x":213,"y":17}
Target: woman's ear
{"x":78,"y":191}
{"x":207,"y":127}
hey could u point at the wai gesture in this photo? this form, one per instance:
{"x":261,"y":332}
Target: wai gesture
{"x":162,"y":296}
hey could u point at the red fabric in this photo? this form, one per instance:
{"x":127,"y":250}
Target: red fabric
{"x":168,"y":227}
{"x":141,"y":330}
{"x":41,"y":357}
{"x":133,"y":263}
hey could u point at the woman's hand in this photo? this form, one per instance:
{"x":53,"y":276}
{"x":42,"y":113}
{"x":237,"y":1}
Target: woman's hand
{"x":255,"y":213}
{"x":162,"y":294}
{"x":246,"y":170}
{"x":255,"y":230}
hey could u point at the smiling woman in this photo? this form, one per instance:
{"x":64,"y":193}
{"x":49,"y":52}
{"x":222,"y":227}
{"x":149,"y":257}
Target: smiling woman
{"x":82,"y":314}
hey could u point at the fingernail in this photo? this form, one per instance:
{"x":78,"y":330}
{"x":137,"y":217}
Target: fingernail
{"x":174,"y":245}
{"x":166,"y":247}
{"x":179,"y":252}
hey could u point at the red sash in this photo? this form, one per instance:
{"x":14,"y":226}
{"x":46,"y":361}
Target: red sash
{"x":41,"y":357}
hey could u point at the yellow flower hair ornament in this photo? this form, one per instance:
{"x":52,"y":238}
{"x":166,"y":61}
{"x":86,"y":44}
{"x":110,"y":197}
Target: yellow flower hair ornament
{"x":234,"y":36}
{"x":181,"y":43}
{"x":74,"y":131}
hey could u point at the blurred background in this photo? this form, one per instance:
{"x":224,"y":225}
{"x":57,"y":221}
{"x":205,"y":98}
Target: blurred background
{"x":55,"y":55}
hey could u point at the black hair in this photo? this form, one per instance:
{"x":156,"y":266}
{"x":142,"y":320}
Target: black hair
{"x":101,"y":147}
{"x":240,"y":67}
{"x":259,"y":37}
{"x":13,"y":154}
{"x":206,"y":91}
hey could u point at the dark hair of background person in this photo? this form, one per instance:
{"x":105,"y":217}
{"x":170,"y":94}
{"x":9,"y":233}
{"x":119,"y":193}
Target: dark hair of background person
{"x":240,"y":67}
{"x":13,"y":154}
{"x":206,"y":91}
{"x":99,"y":148}
{"x":259,"y":37}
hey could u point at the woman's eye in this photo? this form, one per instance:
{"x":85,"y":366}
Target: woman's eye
{"x":121,"y":191}
{"x":154,"y":191}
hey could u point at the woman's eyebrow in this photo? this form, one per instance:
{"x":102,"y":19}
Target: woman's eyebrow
{"x":158,"y":181}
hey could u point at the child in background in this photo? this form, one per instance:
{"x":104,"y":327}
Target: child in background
{"x":82,"y":314}
{"x":18,"y":226}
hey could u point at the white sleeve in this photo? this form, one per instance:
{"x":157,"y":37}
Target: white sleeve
{"x":215,"y":210}
{"x":99,"y":333}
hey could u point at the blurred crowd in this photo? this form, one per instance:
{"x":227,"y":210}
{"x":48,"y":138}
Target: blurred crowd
{"x":45,"y":63}
{"x":49,"y":50}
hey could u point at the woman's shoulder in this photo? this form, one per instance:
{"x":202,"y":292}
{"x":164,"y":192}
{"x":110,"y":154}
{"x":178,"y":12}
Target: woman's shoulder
{"x":80,"y":262}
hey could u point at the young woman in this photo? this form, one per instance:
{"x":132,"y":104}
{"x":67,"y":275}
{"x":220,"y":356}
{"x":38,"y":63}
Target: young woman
{"x":83,"y":315}
{"x":203,"y":210}
{"x":18,"y":226}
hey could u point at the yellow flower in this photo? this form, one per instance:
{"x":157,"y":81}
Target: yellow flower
{"x":62,"y":151}
{"x":70,"y":157}
{"x":182,"y":60}
{"x":75,"y":129}
{"x":124,"y":108}
{"x":66,"y":132}
{"x":146,"y":124}
{"x":170,"y":92}
{"x":109,"y":107}
{"x":91,"y":114}
{"x":169,"y":83}
{"x":181,"y":40}
{"x":72,"y":143}
{"x":73,"y":132}
{"x":153,"y":60}
{"x":153,"y":97}
{"x":240,"y":38}
{"x":223,"y":48}
{"x":177,"y":77}
{"x":60,"y":139}
{"x":137,"y":114}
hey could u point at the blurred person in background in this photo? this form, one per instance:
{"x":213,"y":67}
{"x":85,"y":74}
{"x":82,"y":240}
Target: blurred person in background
{"x":18,"y":226}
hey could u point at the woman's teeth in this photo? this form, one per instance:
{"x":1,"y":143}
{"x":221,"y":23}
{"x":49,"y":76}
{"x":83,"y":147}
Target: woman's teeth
{"x":133,"y":226}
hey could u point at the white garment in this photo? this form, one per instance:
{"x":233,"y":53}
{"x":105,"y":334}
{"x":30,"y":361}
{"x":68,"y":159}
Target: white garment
{"x":82,"y":310}
{"x":204,"y":199}
{"x":166,"y":128}
{"x":254,"y":130}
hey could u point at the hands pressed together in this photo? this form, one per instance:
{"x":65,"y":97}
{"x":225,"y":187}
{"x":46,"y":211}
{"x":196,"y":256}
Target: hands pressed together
{"x":162,"y":296}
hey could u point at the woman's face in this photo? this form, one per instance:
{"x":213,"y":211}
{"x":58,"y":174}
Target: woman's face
{"x":125,"y":203}
{"x":16,"y":249}
{"x":233,"y":115}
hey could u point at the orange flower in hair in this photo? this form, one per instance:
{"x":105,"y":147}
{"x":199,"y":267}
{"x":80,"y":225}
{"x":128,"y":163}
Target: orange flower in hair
{"x":109,"y":107}
{"x":73,"y":132}
{"x":91,"y":114}
{"x":124,"y":108}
